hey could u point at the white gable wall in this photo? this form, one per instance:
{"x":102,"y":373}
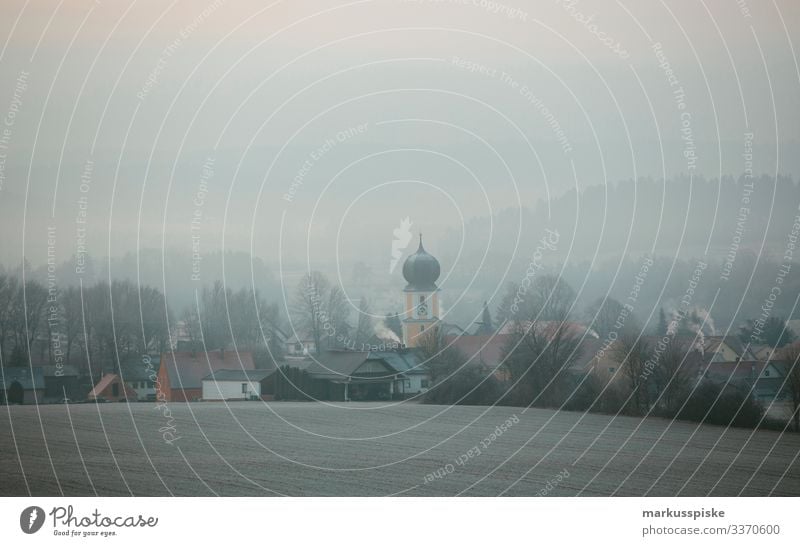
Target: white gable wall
{"x":229,"y":390}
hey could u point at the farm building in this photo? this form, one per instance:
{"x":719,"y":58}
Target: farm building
{"x":111,"y":388}
{"x":236,"y":384}
{"x":62,"y":382}
{"x":409,"y":362}
{"x":343,"y":375}
{"x":180,"y":377}
{"x":21,"y":385}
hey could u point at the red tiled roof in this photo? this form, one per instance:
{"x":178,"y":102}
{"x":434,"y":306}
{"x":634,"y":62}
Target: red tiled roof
{"x":187,"y":369}
{"x":486,"y":349}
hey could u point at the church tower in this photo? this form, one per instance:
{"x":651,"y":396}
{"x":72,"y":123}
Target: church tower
{"x":421,"y":270}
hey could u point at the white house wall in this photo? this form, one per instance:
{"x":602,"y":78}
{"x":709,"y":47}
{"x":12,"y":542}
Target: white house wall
{"x":229,"y":390}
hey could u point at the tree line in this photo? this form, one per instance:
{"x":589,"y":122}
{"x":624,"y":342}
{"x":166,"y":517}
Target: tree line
{"x":84,"y":326}
{"x":651,"y":371}
{"x":97,"y":328}
{"x":321,"y":311}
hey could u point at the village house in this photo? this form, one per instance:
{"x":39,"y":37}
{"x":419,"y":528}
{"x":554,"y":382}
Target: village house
{"x":726,"y":349}
{"x":237,"y":384}
{"x":21,"y":385}
{"x":180,"y":376}
{"x":344,"y":375}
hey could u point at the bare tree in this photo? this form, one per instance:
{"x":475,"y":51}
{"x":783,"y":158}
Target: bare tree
{"x":337,"y":312}
{"x":543,"y":345}
{"x":72,"y":310}
{"x":320,"y":310}
{"x":214,"y":326}
{"x":538,"y":357}
{"x":442,"y":360}
{"x":673,"y":375}
{"x":8,"y":294}
{"x":634,"y":356}
{"x":790,"y":365}
{"x":365,"y":327}
{"x":608,"y":315}
{"x":253,"y":321}
{"x":153,"y":318}
{"x":27,"y":313}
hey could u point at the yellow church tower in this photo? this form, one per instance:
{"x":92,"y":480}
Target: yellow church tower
{"x":421,"y":270}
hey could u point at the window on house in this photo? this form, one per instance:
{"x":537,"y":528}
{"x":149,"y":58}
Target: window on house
{"x":298,"y":347}
{"x":244,"y":388}
{"x":611,"y":369}
{"x":423,"y":383}
{"x":766,"y":373}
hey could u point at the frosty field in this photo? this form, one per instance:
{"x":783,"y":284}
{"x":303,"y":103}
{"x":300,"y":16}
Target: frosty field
{"x":252,"y":448}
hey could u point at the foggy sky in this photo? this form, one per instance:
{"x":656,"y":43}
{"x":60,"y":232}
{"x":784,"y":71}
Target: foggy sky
{"x":436,"y":111}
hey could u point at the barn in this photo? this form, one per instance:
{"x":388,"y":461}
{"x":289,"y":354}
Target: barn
{"x":342,"y":375}
{"x":180,"y":376}
{"x":236,"y":384}
{"x":62,"y":382}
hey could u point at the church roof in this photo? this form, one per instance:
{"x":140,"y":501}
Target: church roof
{"x":421,"y":270}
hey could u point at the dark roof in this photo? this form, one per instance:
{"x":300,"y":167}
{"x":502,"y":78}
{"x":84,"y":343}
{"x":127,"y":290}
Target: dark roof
{"x":134,"y":369}
{"x":239,"y":375}
{"x":408,"y":361}
{"x":342,"y":364}
{"x":64,"y":371}
{"x":336,"y":364}
{"x":186,"y":369}
{"x":29,"y":378}
{"x":421,"y":270}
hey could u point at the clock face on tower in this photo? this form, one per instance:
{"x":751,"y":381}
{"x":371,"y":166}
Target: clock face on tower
{"x":422,"y":308}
